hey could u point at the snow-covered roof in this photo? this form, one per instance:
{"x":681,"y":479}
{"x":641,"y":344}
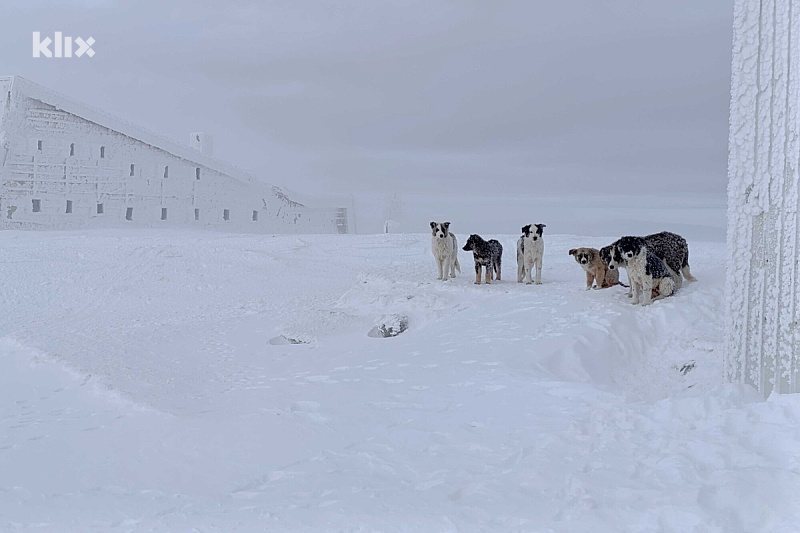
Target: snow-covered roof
{"x":24,"y":87}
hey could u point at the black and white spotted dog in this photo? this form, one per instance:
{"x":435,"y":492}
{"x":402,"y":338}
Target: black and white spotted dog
{"x":650,"y":277}
{"x":487,"y":254}
{"x":530,"y":252}
{"x":671,"y":248}
{"x":444,"y":247}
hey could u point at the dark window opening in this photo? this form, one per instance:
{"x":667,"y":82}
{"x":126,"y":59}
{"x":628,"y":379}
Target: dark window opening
{"x":166,"y":171}
{"x":197,"y":173}
{"x":99,"y":209}
{"x":129,"y":213}
{"x":102,"y":152}
{"x":163,"y":213}
{"x":197,"y":214}
{"x":37,"y":206}
{"x":255,"y":216}
{"x":39,"y":145}
{"x":133,"y":168}
{"x":226,"y":214}
{"x":69,"y":207}
{"x":72,"y":149}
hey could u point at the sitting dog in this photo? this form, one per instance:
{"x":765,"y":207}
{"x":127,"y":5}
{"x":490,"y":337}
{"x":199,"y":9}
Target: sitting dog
{"x":530,"y":252}
{"x":591,"y":261}
{"x":445,"y":250}
{"x":486,"y":253}
{"x":650,"y":277}
{"x":670,"y":248}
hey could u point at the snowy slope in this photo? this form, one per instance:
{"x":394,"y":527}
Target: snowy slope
{"x":140,"y":391}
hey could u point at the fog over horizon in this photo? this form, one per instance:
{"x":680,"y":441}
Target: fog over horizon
{"x":539,"y":99}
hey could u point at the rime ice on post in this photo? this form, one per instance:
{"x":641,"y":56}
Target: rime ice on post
{"x":762,"y":331}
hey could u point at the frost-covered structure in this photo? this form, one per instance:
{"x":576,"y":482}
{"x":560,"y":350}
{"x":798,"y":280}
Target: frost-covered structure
{"x":763,"y":330}
{"x":66,"y":165}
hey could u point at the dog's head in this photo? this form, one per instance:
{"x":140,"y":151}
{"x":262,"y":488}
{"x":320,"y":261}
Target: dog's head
{"x":606,"y":253}
{"x":440,"y":229}
{"x":533,"y":231}
{"x":628,"y":248}
{"x":614,"y":256}
{"x":471,"y":242}
{"x":584,"y":256}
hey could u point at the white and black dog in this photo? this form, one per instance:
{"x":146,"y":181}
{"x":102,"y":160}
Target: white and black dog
{"x":486,"y":253}
{"x":650,"y":277}
{"x":670,"y":248}
{"x":445,"y":250}
{"x":530,"y":252}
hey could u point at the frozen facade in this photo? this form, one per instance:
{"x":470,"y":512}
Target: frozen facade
{"x":763,"y":289}
{"x":66,"y":165}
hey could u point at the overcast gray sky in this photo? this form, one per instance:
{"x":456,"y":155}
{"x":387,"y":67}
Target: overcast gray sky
{"x":541,"y":97}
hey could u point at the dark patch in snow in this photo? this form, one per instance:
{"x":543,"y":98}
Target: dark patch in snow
{"x":389,"y":326}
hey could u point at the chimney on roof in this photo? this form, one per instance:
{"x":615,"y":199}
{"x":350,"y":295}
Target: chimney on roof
{"x":202,"y":142}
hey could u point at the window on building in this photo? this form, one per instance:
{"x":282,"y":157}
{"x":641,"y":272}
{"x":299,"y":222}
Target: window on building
{"x":226,"y":214}
{"x":133,"y":169}
{"x":37,"y":206}
{"x":129,"y":213}
{"x":197,"y":214}
{"x":102,"y":152}
{"x":71,"y":149}
{"x":99,"y":209}
{"x":39,"y":145}
{"x":69,"y":207}
{"x":255,"y":216}
{"x":166,"y":171}
{"x":197,"y":173}
{"x":163,"y":213}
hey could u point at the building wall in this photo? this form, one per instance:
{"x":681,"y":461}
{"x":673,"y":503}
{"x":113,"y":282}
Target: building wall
{"x":52,"y":157}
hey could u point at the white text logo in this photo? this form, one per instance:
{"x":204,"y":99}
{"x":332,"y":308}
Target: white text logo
{"x":62,"y":46}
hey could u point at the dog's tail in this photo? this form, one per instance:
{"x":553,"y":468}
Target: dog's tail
{"x":458,"y":266}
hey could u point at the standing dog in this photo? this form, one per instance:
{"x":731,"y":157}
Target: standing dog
{"x":530,"y":252}
{"x":486,"y":253}
{"x":650,"y":277}
{"x":592,"y":262}
{"x":445,"y":250}
{"x":670,"y":248}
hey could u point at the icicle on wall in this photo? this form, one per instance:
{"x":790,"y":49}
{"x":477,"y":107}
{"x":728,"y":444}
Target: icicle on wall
{"x":763,"y":337}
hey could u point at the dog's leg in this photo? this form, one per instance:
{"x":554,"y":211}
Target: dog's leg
{"x":635,"y":290}
{"x":600,"y":276}
{"x":520,"y":269}
{"x":497,"y":268}
{"x":539,"y":271}
{"x":688,"y":274}
{"x":453,"y":260}
{"x":646,"y":296}
{"x":589,"y":280}
{"x":477,"y":273}
{"x":489,"y":269}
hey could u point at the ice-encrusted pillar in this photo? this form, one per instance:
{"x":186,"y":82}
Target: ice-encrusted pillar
{"x":762,"y":333}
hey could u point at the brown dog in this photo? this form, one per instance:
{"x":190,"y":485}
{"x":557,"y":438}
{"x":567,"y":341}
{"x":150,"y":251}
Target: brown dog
{"x":596,"y":269}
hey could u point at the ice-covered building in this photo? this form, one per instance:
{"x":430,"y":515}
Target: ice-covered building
{"x":66,"y":165}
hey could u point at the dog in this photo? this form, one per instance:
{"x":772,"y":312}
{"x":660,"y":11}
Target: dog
{"x":486,"y":253}
{"x":444,"y":246}
{"x":650,"y":276}
{"x":670,"y":248}
{"x":592,"y":262}
{"x":530,"y":252}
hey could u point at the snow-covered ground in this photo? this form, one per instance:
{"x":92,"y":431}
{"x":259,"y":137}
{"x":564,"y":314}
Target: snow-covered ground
{"x":145,"y":385}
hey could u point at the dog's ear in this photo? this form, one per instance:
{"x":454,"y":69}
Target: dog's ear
{"x":526,"y":229}
{"x":446,"y":224}
{"x":433,"y":225}
{"x":573,"y":251}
